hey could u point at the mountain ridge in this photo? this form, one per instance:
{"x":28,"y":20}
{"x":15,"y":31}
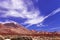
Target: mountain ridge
{"x":9,"y":29}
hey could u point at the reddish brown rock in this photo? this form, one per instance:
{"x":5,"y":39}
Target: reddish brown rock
{"x":16,"y":29}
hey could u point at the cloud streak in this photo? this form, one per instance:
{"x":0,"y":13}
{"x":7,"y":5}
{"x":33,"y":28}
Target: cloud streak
{"x":53,"y":12}
{"x":54,"y":29}
{"x":42,"y":18}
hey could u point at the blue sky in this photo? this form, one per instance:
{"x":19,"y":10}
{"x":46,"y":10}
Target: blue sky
{"x":39,"y":15}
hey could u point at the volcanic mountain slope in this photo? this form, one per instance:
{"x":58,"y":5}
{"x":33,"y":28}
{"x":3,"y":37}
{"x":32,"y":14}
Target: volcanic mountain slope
{"x":13,"y":29}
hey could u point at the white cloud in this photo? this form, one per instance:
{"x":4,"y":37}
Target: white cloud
{"x":22,"y":10}
{"x":53,"y":12}
{"x":33,"y":16}
{"x":12,"y":4}
{"x":35,"y":20}
{"x":13,"y":14}
{"x":8,"y":21}
{"x":40,"y":19}
{"x":56,"y":28}
{"x":41,"y":25}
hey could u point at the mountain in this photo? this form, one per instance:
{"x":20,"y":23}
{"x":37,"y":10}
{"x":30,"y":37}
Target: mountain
{"x":17,"y":29}
{"x":13,"y":29}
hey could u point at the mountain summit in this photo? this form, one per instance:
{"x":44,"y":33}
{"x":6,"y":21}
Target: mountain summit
{"x":13,"y":29}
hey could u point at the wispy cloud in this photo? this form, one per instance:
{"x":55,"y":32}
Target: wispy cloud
{"x":54,"y":29}
{"x":53,"y":12}
{"x":18,"y":8}
{"x":8,"y":21}
{"x":40,"y":19}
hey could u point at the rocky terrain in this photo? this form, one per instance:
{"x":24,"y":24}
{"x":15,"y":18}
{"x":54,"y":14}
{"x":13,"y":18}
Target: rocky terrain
{"x":17,"y":29}
{"x":14,"y":30}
